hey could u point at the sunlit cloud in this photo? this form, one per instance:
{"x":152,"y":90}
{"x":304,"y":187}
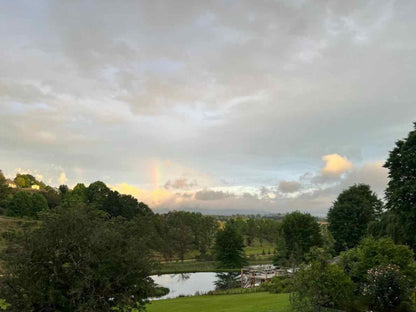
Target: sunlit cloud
{"x":336,"y":164}
{"x":62,"y":178}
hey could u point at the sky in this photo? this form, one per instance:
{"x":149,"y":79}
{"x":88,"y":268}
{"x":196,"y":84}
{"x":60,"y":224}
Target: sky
{"x":214,"y":106}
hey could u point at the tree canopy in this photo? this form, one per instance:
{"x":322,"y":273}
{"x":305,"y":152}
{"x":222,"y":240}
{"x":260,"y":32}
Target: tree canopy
{"x":401,"y":189}
{"x":350,"y":215}
{"x":299,"y":232}
{"x":229,"y":247}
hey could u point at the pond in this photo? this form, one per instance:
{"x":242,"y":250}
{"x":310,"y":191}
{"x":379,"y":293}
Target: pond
{"x":186,"y":284}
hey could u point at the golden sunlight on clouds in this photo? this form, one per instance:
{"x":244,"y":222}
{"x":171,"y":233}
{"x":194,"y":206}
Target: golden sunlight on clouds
{"x":153,"y":198}
{"x":336,"y":164}
{"x":62,"y":178}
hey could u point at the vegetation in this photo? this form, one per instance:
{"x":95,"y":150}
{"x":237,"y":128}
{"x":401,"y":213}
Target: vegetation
{"x":372,"y":253}
{"x":387,"y":289}
{"x":350,"y":215}
{"x":252,"y":302}
{"x":401,"y":190}
{"x":299,"y":233}
{"x":229,"y":247}
{"x":77,"y":260}
{"x":321,"y":285}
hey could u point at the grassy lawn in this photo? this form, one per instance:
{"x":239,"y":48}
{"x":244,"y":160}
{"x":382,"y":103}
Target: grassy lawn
{"x":254,"y":302}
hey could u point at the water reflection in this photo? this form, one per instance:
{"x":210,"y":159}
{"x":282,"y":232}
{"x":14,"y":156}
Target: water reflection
{"x":186,"y":284}
{"x":227,"y":280}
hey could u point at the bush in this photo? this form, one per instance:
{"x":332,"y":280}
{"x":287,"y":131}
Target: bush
{"x":386,"y":289}
{"x":277,"y":285}
{"x":321,"y":285}
{"x":372,"y":253}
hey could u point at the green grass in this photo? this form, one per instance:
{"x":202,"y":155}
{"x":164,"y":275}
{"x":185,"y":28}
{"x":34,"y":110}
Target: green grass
{"x":254,"y":302}
{"x":257,"y":249}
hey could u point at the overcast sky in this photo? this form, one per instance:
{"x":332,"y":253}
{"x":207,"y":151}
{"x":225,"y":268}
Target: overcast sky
{"x":213,"y":106}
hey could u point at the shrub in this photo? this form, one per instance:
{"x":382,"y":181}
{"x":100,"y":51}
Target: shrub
{"x":277,"y":285}
{"x":386,"y":288}
{"x":321,"y":285}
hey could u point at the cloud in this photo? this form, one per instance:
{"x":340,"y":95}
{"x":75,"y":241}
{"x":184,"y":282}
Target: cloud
{"x":181,"y":184}
{"x":289,"y":186}
{"x":251,"y":93}
{"x":212,"y":195}
{"x":154,"y":198}
{"x":336,"y":165}
{"x":62,"y":178}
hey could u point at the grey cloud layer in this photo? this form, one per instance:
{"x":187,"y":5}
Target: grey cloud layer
{"x":251,"y":92}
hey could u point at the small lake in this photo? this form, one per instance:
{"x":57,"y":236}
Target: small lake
{"x":186,"y":284}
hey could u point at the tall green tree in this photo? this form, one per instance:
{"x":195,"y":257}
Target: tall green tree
{"x":229,"y":247}
{"x":300,"y":233}
{"x":401,"y":189}
{"x":351,"y":214}
{"x":180,"y":232}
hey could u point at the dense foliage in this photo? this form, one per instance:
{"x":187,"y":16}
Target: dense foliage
{"x":401,"y":190}
{"x":78,"y":260}
{"x":321,"y":285}
{"x":299,"y":233}
{"x":350,"y":215}
{"x":372,"y":253}
{"x":229,"y":247}
{"x":387,"y":289}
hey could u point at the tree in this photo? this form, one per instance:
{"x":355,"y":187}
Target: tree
{"x":97,"y":192}
{"x":321,"y":285}
{"x":5,"y":193}
{"x":25,"y":205}
{"x":300,"y":232}
{"x":207,"y":229}
{"x":80,"y":191}
{"x":180,"y":232}
{"x":63,"y":189}
{"x":26,"y":180}
{"x":401,"y":189}
{"x":126,"y":206}
{"x":77,"y":260}
{"x":20,"y":205}
{"x":3,"y":186}
{"x":38,"y":204}
{"x":52,"y":196}
{"x":229,"y":247}
{"x":350,"y":215}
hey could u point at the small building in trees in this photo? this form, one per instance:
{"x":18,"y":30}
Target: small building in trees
{"x":35,"y":187}
{"x":10,"y":183}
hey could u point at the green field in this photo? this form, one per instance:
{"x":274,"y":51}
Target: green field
{"x":254,"y":302}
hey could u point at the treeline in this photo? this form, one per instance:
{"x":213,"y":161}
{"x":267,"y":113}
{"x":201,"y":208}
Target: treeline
{"x":175,"y":233}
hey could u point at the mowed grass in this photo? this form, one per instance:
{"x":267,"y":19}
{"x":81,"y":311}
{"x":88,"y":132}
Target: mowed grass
{"x":254,"y":302}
